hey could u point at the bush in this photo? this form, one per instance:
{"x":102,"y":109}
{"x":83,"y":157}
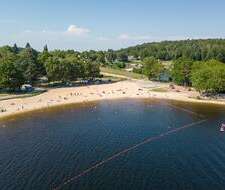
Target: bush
{"x":118,"y":64}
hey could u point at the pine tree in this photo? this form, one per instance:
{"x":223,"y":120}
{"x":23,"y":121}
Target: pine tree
{"x":15,"y":48}
{"x":45,"y":48}
{"x":28,"y":46}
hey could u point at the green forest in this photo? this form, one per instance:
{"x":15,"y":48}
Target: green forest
{"x":20,"y":66}
{"x":197,"y":50}
{"x":197,"y":63}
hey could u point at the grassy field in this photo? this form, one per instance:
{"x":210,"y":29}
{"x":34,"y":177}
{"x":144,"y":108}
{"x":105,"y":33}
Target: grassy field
{"x":20,"y":95}
{"x":160,"y":89}
{"x":2,"y":95}
{"x":122,"y":73}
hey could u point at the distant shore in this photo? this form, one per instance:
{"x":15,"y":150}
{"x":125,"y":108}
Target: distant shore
{"x":118,"y":90}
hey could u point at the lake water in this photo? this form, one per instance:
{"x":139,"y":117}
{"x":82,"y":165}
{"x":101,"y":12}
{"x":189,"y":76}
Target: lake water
{"x":115,"y":145}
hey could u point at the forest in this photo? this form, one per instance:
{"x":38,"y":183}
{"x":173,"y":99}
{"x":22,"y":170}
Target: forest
{"x":197,"y":50}
{"x":197,"y":63}
{"x":20,"y":66}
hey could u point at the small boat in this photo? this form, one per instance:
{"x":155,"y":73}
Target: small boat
{"x":222,"y":128}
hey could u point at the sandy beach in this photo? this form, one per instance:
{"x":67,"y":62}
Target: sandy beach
{"x":118,"y":90}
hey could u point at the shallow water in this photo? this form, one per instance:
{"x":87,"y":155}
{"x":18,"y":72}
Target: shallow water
{"x":46,"y":150}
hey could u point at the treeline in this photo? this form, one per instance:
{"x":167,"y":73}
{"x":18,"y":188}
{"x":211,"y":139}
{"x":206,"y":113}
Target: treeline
{"x":107,"y":58}
{"x":197,"y":63}
{"x":20,"y":66}
{"x":205,"y":76}
{"x":197,"y":50}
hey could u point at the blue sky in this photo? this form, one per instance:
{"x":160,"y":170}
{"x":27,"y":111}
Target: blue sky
{"x":103,"y":24}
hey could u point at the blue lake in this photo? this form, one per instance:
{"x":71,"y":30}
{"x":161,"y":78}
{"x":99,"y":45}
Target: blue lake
{"x":81,"y":147}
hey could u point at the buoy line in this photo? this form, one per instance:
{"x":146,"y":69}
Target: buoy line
{"x":116,"y":155}
{"x":186,"y":110}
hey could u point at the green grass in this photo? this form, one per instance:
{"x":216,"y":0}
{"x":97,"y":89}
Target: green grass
{"x":135,"y":62}
{"x":15,"y":96}
{"x":2,"y":95}
{"x":160,"y":89}
{"x":122,"y":73}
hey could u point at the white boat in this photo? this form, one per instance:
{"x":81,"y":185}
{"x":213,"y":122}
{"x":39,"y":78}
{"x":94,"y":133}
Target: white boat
{"x":222,"y":128}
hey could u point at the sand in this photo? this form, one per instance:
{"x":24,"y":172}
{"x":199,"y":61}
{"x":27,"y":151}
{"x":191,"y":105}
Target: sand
{"x":123,"y":89}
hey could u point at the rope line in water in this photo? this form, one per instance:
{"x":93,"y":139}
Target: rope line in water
{"x":114,"y":156}
{"x":186,"y":110}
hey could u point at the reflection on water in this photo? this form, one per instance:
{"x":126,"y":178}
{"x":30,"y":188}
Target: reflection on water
{"x":42,"y":150}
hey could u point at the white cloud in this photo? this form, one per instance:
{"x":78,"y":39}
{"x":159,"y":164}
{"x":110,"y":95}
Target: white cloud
{"x":72,"y":30}
{"x":133,"y":37}
{"x":78,"y":31}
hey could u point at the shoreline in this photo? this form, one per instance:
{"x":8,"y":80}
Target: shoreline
{"x":129,"y":89}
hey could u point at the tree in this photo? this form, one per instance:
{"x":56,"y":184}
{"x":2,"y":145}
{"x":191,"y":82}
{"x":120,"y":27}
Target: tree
{"x":92,"y":70}
{"x":196,"y":50}
{"x":152,"y":67}
{"x":181,"y":71}
{"x":29,"y":64}
{"x":122,"y":57}
{"x":42,"y":58}
{"x":58,"y":69}
{"x":15,"y":49}
{"x":78,"y":65}
{"x":10,"y":75}
{"x":5,"y":52}
{"x":209,"y":76}
{"x":45,"y":50}
{"x":110,"y":56}
{"x":100,"y":58}
{"x":28,"y":46}
{"x":67,"y":69}
{"x":221,"y":57}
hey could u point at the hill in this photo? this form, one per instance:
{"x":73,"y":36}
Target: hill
{"x":197,"y":50}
